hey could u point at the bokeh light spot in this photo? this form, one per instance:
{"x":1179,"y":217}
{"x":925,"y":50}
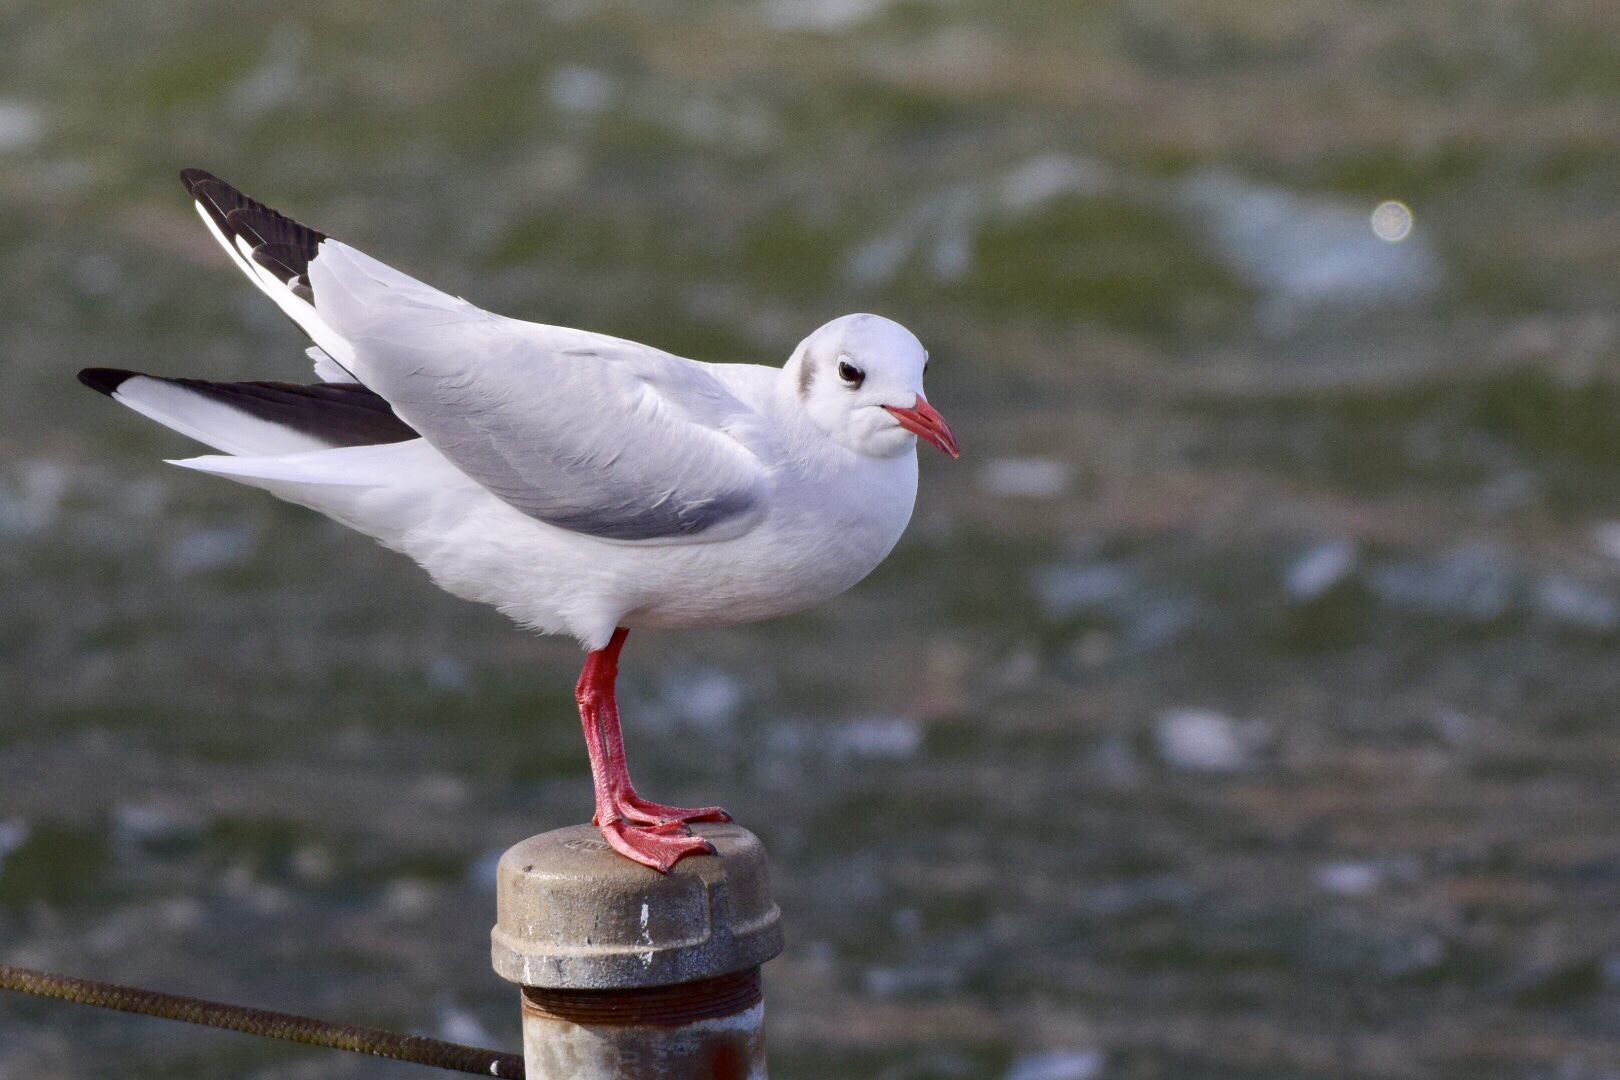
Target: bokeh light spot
{"x":1392,"y":221}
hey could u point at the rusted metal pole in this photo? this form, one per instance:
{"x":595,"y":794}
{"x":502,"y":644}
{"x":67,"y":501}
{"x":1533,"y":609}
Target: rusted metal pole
{"x":628,"y":974}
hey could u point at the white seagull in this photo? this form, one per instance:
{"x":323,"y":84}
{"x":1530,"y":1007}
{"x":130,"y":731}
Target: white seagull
{"x":580,"y":483}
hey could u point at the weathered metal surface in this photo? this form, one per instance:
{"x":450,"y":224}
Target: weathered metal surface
{"x":652,"y":1006}
{"x":573,"y":914}
{"x":723,"y":1048}
{"x":709,"y":1030}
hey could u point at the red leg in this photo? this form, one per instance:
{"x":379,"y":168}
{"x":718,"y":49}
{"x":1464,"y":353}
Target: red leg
{"x":632,"y":806}
{"x":632,"y":830}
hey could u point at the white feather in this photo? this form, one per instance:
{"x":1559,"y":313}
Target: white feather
{"x":327,"y":369}
{"x":209,"y":421}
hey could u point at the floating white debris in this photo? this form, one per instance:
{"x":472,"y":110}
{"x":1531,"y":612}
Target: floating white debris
{"x":1573,"y":602}
{"x":1125,"y":899}
{"x":1305,"y":252}
{"x":98,"y":275}
{"x":907,"y":923}
{"x":734,"y":122}
{"x":1201,"y":740}
{"x":584,"y":90}
{"x":704,"y":698}
{"x":21,"y":125}
{"x":457,"y":1025}
{"x":792,"y":745}
{"x":878,"y":737}
{"x":1349,"y":878}
{"x":1027,"y":477}
{"x":445,"y":672}
{"x":33,"y":504}
{"x":941,"y":227}
{"x":314,"y":863}
{"x":278,"y":78}
{"x":212,"y":549}
{"x":1456,"y":728}
{"x":484,"y":871}
{"x":13,"y":835}
{"x":920,"y":980}
{"x":1058,"y":1065}
{"x":821,"y":16}
{"x":1466,"y":583}
{"x":1408,"y":957}
{"x":1036,"y":182}
{"x":153,"y":825}
{"x":1063,"y":591}
{"x":1320,"y":569}
{"x":1606,"y":538}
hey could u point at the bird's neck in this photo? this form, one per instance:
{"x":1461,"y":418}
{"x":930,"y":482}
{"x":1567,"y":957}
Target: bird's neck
{"x":798,"y":438}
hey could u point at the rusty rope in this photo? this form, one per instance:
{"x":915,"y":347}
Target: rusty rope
{"x":271,"y":1025}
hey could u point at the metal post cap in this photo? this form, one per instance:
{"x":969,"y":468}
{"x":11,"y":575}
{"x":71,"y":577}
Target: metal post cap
{"x":573,"y":914}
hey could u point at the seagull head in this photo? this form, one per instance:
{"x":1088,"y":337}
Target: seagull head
{"x":860,"y":380}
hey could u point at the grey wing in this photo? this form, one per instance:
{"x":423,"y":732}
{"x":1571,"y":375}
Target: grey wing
{"x":585,"y":432}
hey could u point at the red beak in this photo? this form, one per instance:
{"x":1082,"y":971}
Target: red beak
{"x":924,"y":420}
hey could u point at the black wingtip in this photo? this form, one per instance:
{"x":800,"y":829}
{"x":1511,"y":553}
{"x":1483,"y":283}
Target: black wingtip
{"x":105,"y":380}
{"x":192,"y":177}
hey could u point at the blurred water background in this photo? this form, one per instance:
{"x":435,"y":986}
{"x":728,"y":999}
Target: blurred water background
{"x":1243,"y":704}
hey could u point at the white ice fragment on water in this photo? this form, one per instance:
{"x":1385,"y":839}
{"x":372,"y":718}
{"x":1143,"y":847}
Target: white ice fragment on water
{"x":98,"y":275}
{"x":1454,"y":727}
{"x":1606,"y":538}
{"x":1320,"y":569}
{"x":153,"y":824}
{"x":211,"y":549}
{"x":735,"y":122}
{"x":445,"y":672}
{"x":1507,"y":492}
{"x":705,"y":698}
{"x":911,"y":981}
{"x":1304,"y":251}
{"x":457,"y":1025}
{"x":1064,"y":590}
{"x":13,"y":835}
{"x":442,"y":789}
{"x":1405,"y":957}
{"x":32,"y":504}
{"x":584,"y":90}
{"x":940,"y":227}
{"x":1201,"y":740}
{"x":1469,"y":583}
{"x":279,"y":76}
{"x":1058,"y":1065}
{"x":1348,"y":878}
{"x":1027,"y":477}
{"x":1568,"y":600}
{"x":820,"y":16}
{"x":878,"y":737}
{"x":21,"y":125}
{"x":1036,"y":182}
{"x":484,"y":871}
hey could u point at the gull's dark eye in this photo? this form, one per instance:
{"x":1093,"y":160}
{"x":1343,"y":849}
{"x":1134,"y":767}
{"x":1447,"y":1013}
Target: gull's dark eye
{"x":850,"y":373}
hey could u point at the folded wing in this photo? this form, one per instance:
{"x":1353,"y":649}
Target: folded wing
{"x":582,"y":431}
{"x":585,"y":432}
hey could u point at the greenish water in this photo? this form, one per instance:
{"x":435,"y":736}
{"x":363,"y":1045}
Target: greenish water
{"x":1241,"y":705}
